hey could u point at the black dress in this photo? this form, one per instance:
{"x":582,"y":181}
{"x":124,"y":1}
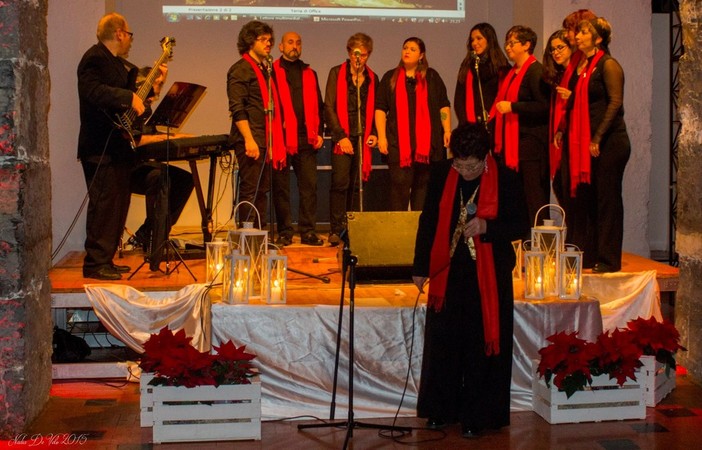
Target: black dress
{"x":459,"y":381}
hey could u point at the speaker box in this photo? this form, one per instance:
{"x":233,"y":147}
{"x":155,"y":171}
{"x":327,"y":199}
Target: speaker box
{"x":383,"y":243}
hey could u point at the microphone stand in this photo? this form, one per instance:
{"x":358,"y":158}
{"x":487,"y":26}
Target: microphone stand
{"x":269,"y":144}
{"x":359,"y":130}
{"x":349,"y":262}
{"x":160,"y":241}
{"x":486,"y":114}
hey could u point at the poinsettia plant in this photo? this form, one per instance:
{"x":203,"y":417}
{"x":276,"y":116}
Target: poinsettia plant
{"x":658,"y":339}
{"x":617,"y":355}
{"x":175,"y":362}
{"x":567,"y":362}
{"x":571,"y":362}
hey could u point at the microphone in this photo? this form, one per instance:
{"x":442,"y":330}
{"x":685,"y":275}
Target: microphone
{"x":357,"y":55}
{"x":269,"y":60}
{"x":474,"y":55}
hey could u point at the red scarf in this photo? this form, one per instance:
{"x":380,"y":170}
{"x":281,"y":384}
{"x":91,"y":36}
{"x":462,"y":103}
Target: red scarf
{"x":470,"y":101}
{"x":558,"y":108}
{"x":440,"y":259}
{"x":309,"y":99}
{"x":579,"y":136}
{"x":507,"y":125}
{"x":279,"y":157}
{"x":422,"y":123}
{"x":342,"y":112}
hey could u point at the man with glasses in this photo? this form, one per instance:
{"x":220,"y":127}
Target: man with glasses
{"x":106,"y":89}
{"x":257,"y":138}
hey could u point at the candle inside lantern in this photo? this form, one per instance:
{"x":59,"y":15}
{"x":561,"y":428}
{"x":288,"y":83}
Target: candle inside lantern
{"x":275,"y":292}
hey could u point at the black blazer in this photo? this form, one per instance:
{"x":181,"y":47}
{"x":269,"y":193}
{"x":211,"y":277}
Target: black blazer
{"x":106,"y":84}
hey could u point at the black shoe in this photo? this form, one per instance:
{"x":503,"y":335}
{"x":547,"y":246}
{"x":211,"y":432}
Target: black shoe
{"x":102,"y":273}
{"x":120,"y":269}
{"x":284,"y":240}
{"x":436,"y":424}
{"x":311,"y":239}
{"x":334,"y":239}
{"x":603,"y":268}
{"x":469,"y":432}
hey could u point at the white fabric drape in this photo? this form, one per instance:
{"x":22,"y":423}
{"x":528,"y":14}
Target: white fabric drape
{"x":624,"y":296}
{"x":132,"y":316}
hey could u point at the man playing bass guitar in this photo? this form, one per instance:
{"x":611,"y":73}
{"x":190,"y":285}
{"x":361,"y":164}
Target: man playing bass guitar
{"x":106,"y":88}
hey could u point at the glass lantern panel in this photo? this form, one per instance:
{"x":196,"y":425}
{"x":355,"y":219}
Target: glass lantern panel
{"x":275,"y":277}
{"x":236,"y":284}
{"x":570,"y":280}
{"x":251,"y":242}
{"x":534,"y":271}
{"x":216,"y":253}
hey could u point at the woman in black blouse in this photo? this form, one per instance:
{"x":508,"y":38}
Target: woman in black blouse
{"x":599,"y":144}
{"x":481,"y":70}
{"x":413,"y":119}
{"x":521,"y":123}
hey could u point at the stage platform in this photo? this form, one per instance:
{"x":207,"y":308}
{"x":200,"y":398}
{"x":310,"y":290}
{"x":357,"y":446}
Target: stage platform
{"x":295,"y":342}
{"x":67,"y":277}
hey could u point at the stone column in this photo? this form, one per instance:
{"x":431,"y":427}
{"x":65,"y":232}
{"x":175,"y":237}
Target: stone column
{"x":25,"y":215}
{"x":688,"y":306}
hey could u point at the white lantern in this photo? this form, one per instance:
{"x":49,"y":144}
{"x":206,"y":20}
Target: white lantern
{"x":253,"y":243}
{"x":534,"y":272}
{"x":549,"y":238}
{"x":237,"y":280}
{"x":215,"y":254}
{"x":275,"y":275}
{"x":570,"y":277}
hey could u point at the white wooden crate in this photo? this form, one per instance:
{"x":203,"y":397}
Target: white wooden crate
{"x":203,"y":413}
{"x":657,"y":385}
{"x":606,"y":400}
{"x":146,"y":399}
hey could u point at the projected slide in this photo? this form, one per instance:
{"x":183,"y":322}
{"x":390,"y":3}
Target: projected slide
{"x":399,"y":11}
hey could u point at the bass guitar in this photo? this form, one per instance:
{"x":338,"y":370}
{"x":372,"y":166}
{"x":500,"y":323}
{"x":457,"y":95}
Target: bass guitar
{"x":125,"y":121}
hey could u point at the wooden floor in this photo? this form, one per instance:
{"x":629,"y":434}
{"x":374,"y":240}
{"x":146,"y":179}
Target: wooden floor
{"x":106,"y":414}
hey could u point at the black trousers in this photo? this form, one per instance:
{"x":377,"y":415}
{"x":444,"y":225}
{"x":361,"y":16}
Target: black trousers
{"x":304,"y":162}
{"x":344,"y":183}
{"x":254,"y":184}
{"x":605,"y":210}
{"x":108,"y":204}
{"x":408,"y":186}
{"x":167,"y":189}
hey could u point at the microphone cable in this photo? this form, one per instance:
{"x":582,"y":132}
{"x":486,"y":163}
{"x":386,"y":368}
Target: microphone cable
{"x":396,"y":435}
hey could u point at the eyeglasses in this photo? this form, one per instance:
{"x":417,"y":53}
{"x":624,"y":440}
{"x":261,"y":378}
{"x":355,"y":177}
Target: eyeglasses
{"x":468,"y":167}
{"x":511,"y":44}
{"x":264,"y":40}
{"x":131,"y":35}
{"x":558,"y":49}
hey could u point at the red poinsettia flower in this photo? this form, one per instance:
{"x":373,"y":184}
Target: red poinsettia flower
{"x":567,"y":361}
{"x":175,"y":362}
{"x":617,"y":355}
{"x":659,"y":339}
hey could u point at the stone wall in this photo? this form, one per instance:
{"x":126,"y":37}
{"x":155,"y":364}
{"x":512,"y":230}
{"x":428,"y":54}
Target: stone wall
{"x":688,"y":306}
{"x":25,"y":215}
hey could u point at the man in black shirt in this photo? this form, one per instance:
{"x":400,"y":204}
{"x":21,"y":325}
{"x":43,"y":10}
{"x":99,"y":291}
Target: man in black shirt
{"x":106,"y":88}
{"x":247,"y":89}
{"x":302,"y":105}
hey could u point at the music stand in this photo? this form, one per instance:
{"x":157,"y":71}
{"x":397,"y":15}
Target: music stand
{"x":349,"y":262}
{"x":171,"y":113}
